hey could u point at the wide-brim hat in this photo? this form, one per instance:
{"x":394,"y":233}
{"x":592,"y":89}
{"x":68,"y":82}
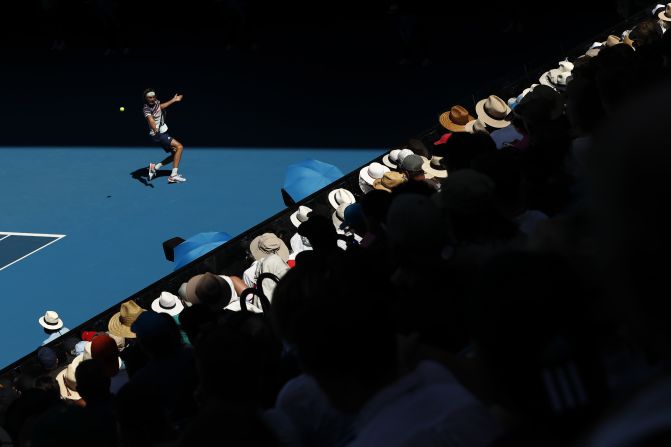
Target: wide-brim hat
{"x":665,"y":14}
{"x":339,"y":196}
{"x":121,"y":321}
{"x":338,"y":216}
{"x":493,"y":111}
{"x":267,"y":244}
{"x":372,"y":172}
{"x":389,"y":181}
{"x":546,"y":78}
{"x":455,"y":119}
{"x":434,"y":168}
{"x":390,"y":159}
{"x":191,"y":291}
{"x":167,"y":303}
{"x":67,"y":383}
{"x":50,"y":320}
{"x":300,"y":215}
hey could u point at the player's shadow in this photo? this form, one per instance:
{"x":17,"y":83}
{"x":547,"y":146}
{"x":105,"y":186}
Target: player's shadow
{"x":142,"y":176}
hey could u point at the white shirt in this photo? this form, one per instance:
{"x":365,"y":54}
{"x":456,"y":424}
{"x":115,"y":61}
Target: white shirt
{"x":234,"y":304}
{"x":427,"y":407}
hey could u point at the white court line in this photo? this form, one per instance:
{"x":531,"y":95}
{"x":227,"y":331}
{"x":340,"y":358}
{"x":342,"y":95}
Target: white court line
{"x":57,"y":236}
{"x":9,"y":233}
{"x":4,"y":237}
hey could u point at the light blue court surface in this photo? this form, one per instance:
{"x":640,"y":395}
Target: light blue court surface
{"x":81,"y":233}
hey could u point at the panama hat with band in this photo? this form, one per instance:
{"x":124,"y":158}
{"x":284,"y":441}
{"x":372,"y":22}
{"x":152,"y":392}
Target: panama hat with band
{"x":390,"y":160}
{"x":339,"y":196}
{"x":434,"y":168}
{"x":50,"y":321}
{"x":493,"y":111}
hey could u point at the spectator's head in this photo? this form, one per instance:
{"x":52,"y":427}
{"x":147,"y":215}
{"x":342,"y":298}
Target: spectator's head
{"x":194,"y":320}
{"x":467,"y":200}
{"x":583,"y":105}
{"x":539,"y":106}
{"x":268,"y":244}
{"x":50,"y":322}
{"x":645,"y":33}
{"x":414,"y":229}
{"x":104,"y":349}
{"x":49,"y":385}
{"x":167,"y":303}
{"x":93,"y":381}
{"x":374,"y":206}
{"x":210,"y":290}
{"x":48,"y":358}
{"x":121,"y":322}
{"x":462,"y":148}
{"x":411,"y":167}
{"x":354,"y":220}
{"x":320,"y":231}
{"x":157,"y":334}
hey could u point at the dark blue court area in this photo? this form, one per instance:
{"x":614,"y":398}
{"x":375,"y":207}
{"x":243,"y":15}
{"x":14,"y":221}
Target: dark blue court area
{"x":115,"y":221}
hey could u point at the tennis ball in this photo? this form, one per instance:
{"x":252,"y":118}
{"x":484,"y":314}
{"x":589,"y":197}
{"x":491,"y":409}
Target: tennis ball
{"x":121,"y":109}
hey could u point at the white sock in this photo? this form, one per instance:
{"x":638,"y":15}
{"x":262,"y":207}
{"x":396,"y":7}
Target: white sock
{"x":174,"y":171}
{"x":158,"y":166}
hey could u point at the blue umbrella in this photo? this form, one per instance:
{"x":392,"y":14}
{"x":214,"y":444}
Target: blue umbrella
{"x":308,"y":176}
{"x":197,"y":245}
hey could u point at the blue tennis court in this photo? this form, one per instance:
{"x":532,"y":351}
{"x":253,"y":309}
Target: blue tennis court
{"x":82,"y":228}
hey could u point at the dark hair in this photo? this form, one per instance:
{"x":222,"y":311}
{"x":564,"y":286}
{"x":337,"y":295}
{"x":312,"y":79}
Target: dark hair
{"x":92,"y":382}
{"x":144,"y":94}
{"x":645,"y":33}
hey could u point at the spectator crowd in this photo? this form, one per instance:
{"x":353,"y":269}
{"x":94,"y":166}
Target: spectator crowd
{"x":498,"y":281}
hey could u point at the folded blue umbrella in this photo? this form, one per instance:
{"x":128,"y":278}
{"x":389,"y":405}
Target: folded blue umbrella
{"x":197,"y":245}
{"x":309,"y":176}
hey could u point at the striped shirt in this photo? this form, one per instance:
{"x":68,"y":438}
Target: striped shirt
{"x":155,"y":112}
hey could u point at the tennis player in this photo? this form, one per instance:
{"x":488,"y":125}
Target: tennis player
{"x":158,"y":130}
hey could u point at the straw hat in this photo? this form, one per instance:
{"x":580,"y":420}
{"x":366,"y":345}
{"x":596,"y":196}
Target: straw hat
{"x":50,"y":321}
{"x":434,"y":168}
{"x":339,"y":196}
{"x":67,"y":382}
{"x":121,"y":321}
{"x":300,"y":215}
{"x":389,"y":181}
{"x":456,"y":119}
{"x":493,"y":111}
{"x":267,"y":244}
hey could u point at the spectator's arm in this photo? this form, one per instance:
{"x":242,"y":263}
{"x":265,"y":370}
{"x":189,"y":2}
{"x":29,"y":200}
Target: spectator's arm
{"x":238,"y":284}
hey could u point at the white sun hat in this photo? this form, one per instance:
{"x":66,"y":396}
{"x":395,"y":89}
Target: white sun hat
{"x":339,"y":196}
{"x":372,"y":172}
{"x":50,"y":320}
{"x":300,"y":215}
{"x":167,"y":303}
